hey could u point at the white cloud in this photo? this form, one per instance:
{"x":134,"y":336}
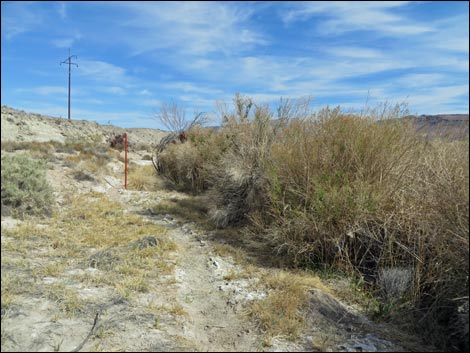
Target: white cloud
{"x":421,"y":80}
{"x":103,"y":72}
{"x":66,"y":42}
{"x":345,"y":16}
{"x":151,"y":102}
{"x":113,"y":90}
{"x":452,"y":35}
{"x":432,"y":99}
{"x":63,"y":43}
{"x":355,"y":52}
{"x":44,"y":90}
{"x":145,"y":92}
{"x":191,"y":87}
{"x":190,"y":28}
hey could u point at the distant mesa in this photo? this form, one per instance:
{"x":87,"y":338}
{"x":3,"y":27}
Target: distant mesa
{"x":453,"y":126}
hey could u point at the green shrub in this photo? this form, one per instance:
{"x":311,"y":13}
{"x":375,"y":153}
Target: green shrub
{"x":24,"y":187}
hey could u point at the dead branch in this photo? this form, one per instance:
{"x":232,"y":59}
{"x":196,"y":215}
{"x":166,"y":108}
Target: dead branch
{"x":89,"y":335}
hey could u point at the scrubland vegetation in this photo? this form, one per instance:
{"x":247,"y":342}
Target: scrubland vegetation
{"x":363,"y":194}
{"x":25,"y":190}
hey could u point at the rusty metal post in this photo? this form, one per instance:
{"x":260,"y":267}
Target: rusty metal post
{"x":125,"y":160}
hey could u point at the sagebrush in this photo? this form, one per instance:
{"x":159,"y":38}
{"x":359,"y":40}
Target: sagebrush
{"x":24,"y":187}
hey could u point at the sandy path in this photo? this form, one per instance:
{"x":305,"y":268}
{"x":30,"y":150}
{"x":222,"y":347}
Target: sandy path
{"x":212,"y":324}
{"x":211,"y":321}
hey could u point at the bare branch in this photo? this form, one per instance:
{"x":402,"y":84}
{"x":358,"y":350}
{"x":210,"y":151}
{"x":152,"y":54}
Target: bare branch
{"x":173,"y":117}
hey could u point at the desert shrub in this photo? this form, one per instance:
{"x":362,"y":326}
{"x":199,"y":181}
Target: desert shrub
{"x":40,"y":147}
{"x":239,"y":179}
{"x":394,"y":282}
{"x":116,"y":141}
{"x":24,"y":187}
{"x":189,"y":165}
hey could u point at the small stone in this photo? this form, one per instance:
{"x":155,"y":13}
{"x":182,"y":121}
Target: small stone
{"x":145,"y":242}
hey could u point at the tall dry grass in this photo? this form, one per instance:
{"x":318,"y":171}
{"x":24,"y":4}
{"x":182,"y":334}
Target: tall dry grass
{"x":360,"y":192}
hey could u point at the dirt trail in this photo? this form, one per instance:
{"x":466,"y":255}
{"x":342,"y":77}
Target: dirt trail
{"x":212,"y":324}
{"x":213,"y":319}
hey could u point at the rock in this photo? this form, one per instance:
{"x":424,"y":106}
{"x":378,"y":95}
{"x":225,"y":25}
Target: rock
{"x":104,"y":259}
{"x":369,"y":343}
{"x":330,"y":308}
{"x":144,"y":242}
{"x":213,"y":262}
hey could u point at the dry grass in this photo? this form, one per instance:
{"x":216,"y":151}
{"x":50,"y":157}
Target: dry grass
{"x":88,"y":224}
{"x":143,"y":178}
{"x":226,"y":250}
{"x":282,"y":312}
{"x":67,"y":299}
{"x":89,"y":160}
{"x":41,"y":147}
{"x":177,"y":309}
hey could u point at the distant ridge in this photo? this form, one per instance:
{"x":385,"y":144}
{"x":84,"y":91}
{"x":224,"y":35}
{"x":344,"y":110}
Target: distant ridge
{"x":18,"y":125}
{"x":453,"y":126}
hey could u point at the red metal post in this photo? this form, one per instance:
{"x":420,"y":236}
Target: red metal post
{"x":125,"y":161}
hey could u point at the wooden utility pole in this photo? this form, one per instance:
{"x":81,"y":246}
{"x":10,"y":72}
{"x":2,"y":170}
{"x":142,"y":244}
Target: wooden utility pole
{"x":69,"y":62}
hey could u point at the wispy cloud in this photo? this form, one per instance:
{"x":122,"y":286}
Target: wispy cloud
{"x":63,"y":43}
{"x":43,"y":90}
{"x":440,"y":99}
{"x":102,"y":71}
{"x":354,"y":52}
{"x":19,"y":17}
{"x":144,"y":92}
{"x":191,"y":87}
{"x":344,"y":16}
{"x":193,"y":28}
{"x":66,"y":42}
{"x":116,"y":90}
{"x":62,"y":9}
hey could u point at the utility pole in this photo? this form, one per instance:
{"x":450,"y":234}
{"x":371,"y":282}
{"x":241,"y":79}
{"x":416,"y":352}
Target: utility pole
{"x":68,"y":61}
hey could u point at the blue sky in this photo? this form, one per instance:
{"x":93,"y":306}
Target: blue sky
{"x":133,"y":56}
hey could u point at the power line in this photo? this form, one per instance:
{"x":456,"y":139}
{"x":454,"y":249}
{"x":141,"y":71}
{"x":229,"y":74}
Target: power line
{"x":69,"y":62}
